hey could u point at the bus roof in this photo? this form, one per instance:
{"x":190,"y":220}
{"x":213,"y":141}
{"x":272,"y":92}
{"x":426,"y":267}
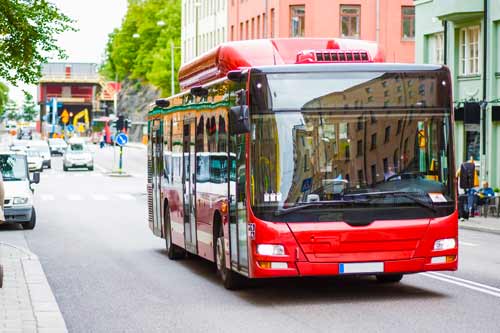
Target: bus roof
{"x":370,"y":67}
{"x":229,"y":56}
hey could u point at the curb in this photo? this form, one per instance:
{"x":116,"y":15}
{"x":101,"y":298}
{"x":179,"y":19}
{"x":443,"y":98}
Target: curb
{"x":479,"y":228}
{"x":46,"y":312}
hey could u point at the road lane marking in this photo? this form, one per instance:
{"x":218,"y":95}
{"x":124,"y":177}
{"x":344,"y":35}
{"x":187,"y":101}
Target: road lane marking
{"x":466,"y":283}
{"x":75,"y":197}
{"x":100,"y":168}
{"x":47,"y":197}
{"x":126,"y":197}
{"x":99,"y":197}
{"x":467,"y":243}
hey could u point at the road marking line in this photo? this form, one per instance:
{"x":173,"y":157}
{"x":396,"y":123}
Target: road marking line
{"x":100,"y":168}
{"x":99,"y":197}
{"x":126,"y":197}
{"x":75,"y":197}
{"x":466,"y":281}
{"x":467,"y":243}
{"x":47,"y":197}
{"x":485,"y":291}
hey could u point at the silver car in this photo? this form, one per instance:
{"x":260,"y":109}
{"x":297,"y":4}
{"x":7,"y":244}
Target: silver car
{"x":77,"y":155}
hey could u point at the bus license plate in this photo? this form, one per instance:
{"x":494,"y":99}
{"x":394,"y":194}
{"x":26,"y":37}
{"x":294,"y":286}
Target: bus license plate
{"x":361,"y":267}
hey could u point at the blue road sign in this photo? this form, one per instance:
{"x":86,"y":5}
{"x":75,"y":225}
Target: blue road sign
{"x":70,"y":128}
{"x":121,"y":139}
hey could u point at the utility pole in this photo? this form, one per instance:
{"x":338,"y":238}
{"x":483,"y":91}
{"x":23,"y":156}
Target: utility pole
{"x":172,"y":68}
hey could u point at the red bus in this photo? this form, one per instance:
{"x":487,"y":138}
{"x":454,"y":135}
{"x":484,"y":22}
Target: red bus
{"x":305,"y":157}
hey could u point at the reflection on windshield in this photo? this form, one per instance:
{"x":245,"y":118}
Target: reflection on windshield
{"x":13,"y":167}
{"x":303,"y":157}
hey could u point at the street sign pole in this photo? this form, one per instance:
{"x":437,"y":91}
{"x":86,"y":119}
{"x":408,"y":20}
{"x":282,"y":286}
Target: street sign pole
{"x":120,"y":162}
{"x":54,"y":111}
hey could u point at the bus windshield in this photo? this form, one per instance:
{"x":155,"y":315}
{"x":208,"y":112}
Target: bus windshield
{"x":376,"y":141}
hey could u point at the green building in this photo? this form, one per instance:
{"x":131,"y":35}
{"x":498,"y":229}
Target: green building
{"x":465,"y":35}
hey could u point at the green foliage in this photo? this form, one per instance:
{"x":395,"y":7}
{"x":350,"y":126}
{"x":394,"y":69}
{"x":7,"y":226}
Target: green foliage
{"x":29,"y":110}
{"x":496,"y":190}
{"x":4,"y":97}
{"x":145,"y":57}
{"x":11,"y":110}
{"x":27,"y":37}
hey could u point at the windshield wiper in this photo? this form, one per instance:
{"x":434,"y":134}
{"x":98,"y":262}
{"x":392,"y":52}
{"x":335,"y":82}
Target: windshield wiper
{"x":408,"y":195}
{"x":11,"y":178}
{"x":305,"y":205}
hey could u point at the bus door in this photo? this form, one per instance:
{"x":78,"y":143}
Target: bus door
{"x":189,"y":183}
{"x":157,"y":171}
{"x":237,"y":204}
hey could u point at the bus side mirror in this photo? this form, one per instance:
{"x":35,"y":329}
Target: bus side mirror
{"x":239,"y":117}
{"x":240,"y":120}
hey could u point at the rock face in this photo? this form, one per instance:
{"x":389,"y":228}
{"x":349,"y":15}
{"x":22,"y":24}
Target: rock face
{"x":134,"y":101}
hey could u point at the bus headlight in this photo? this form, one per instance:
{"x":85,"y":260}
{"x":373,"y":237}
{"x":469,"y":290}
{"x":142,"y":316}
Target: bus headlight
{"x":20,"y":201}
{"x":445,"y":244}
{"x":270,"y":250}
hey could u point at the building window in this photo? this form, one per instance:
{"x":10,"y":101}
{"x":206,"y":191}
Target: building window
{"x":439,"y":50}
{"x":386,"y":165}
{"x":258,"y":27}
{"x":272,"y":23}
{"x":469,"y":50}
{"x":400,"y":124}
{"x":297,"y":21}
{"x":408,"y":22}
{"x":387,"y":135}
{"x":253,"y":28}
{"x":359,"y":148}
{"x":374,"y":173}
{"x":349,"y":21}
{"x":374,"y":141}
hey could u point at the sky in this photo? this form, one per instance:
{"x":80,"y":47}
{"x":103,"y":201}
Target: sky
{"x":95,"y":19}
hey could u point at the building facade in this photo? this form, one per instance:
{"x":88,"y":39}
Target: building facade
{"x":465,"y":36}
{"x":76,"y":87}
{"x":204,"y":25}
{"x":390,"y":22}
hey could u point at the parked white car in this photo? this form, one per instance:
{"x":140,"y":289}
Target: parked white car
{"x":57,"y":146}
{"x":35,"y":160}
{"x":43,"y":147}
{"x":18,"y":201}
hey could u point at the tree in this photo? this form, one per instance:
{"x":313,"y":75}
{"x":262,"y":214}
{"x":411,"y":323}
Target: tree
{"x":27,"y":38}
{"x":140,"y":48}
{"x":4,"y":97}
{"x":11,"y":110}
{"x":29,"y":111}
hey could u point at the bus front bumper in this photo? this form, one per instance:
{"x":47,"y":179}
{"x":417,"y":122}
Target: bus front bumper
{"x":305,"y":268}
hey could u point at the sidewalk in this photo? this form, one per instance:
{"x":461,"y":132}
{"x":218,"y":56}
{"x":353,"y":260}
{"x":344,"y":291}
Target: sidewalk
{"x":136,"y":145}
{"x":26,"y":300}
{"x":478,"y":223}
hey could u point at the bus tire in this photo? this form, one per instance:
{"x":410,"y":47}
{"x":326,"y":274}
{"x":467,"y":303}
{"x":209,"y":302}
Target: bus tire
{"x":174,"y":252}
{"x":389,"y":278}
{"x":230,"y":279}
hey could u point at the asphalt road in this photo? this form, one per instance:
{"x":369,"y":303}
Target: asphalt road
{"x":110,"y":274}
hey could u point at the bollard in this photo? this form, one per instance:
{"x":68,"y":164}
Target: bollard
{"x":1,"y":276}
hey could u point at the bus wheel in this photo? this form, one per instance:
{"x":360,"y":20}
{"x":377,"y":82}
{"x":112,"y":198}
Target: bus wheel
{"x":389,"y":278}
{"x":174,"y":252}
{"x":230,"y":279}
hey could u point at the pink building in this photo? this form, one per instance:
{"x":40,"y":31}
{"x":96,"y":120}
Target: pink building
{"x":390,"y":22}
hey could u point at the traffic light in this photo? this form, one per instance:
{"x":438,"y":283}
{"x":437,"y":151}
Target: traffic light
{"x":120,"y":123}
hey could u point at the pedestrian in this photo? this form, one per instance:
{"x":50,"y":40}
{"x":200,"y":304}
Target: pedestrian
{"x":468,"y":179}
{"x":484,"y":193}
{"x":102,"y":142}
